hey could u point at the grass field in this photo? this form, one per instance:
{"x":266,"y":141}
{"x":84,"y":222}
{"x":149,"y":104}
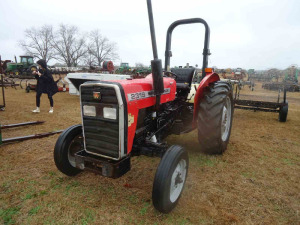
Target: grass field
{"x":256,"y":181}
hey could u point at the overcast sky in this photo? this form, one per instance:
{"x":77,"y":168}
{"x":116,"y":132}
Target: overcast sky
{"x":256,"y":34}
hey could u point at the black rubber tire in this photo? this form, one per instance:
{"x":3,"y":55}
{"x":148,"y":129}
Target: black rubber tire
{"x":162,"y":181}
{"x":61,"y":150}
{"x":283,"y":112}
{"x":210,"y":117}
{"x":27,"y":89}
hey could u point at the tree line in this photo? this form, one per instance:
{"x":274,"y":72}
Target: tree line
{"x":68,"y":45}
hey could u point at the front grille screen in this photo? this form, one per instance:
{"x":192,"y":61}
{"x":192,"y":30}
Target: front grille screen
{"x":101,"y":134}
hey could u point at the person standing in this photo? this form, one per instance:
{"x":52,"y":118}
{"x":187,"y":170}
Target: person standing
{"x":45,"y":84}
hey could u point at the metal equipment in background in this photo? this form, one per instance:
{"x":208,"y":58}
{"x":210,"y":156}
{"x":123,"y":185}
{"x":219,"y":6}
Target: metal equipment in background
{"x":124,"y":68}
{"x":276,"y":107}
{"x":24,"y":67}
{"x":108,"y":66}
{"x":290,"y":81}
{"x":291,"y":87}
{"x":2,"y":105}
{"x":240,"y":77}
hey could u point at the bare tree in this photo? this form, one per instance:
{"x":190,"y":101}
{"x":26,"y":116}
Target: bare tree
{"x":89,"y":59}
{"x":37,"y":42}
{"x":101,"y":48}
{"x":70,"y":47}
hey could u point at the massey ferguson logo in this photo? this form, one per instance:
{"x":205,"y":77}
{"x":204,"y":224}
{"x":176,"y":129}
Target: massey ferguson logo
{"x":97,"y":95}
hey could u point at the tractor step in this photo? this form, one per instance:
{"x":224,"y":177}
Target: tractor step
{"x":105,"y":167}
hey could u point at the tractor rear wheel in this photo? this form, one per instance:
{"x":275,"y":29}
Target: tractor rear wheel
{"x":215,"y":118}
{"x":170,"y":178}
{"x":67,"y":144}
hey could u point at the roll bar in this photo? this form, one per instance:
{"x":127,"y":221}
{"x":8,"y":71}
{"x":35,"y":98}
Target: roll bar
{"x":156,"y":63}
{"x":206,"y":51}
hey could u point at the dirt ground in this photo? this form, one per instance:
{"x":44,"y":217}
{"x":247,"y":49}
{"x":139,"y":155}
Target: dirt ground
{"x":256,"y":181}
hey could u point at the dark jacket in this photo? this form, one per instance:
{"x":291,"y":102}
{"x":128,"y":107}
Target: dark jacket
{"x":45,"y":83}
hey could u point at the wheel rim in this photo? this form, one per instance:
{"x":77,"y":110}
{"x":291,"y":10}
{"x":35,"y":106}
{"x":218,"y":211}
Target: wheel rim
{"x":226,"y":119}
{"x":75,"y":146}
{"x":177,"y":180}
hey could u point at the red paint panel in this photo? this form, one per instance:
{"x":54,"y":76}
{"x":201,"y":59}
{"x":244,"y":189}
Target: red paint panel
{"x":208,"y":79}
{"x":133,"y":107}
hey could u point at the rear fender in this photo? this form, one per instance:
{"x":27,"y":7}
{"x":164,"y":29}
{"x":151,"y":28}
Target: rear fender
{"x":207,"y":80}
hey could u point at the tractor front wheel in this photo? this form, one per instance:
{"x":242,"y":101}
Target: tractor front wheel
{"x":170,"y":178}
{"x":215,"y":118}
{"x":67,"y":145}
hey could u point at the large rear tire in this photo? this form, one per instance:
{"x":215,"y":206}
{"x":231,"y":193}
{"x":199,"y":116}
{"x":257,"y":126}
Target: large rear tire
{"x":170,"y":179}
{"x":215,"y":118}
{"x":67,"y":144}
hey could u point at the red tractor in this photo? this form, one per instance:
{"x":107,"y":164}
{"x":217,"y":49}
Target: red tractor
{"x":126,"y":118}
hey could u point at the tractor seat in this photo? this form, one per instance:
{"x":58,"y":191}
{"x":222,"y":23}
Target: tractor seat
{"x":184,"y":77}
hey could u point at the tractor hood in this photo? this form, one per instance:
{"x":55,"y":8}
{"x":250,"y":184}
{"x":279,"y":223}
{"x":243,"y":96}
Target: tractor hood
{"x":12,"y":65}
{"x":76,"y":79}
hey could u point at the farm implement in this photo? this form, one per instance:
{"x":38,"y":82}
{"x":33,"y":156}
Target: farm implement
{"x":23,"y":138}
{"x":265,"y":106}
{"x":132,"y":117}
{"x":238,"y":77}
{"x":291,"y":87}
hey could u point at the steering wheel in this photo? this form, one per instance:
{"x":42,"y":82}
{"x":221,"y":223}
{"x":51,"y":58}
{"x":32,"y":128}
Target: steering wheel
{"x":168,"y":73}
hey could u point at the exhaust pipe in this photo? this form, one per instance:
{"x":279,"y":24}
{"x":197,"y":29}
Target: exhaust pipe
{"x":156,"y":64}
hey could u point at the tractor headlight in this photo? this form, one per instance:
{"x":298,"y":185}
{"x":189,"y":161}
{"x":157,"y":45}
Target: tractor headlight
{"x":89,"y":110}
{"x":110,"y":113}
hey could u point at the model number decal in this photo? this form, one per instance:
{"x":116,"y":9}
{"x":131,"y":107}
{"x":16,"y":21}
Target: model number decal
{"x":144,"y":94}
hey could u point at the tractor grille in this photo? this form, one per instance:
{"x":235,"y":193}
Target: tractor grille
{"x":101,"y":135}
